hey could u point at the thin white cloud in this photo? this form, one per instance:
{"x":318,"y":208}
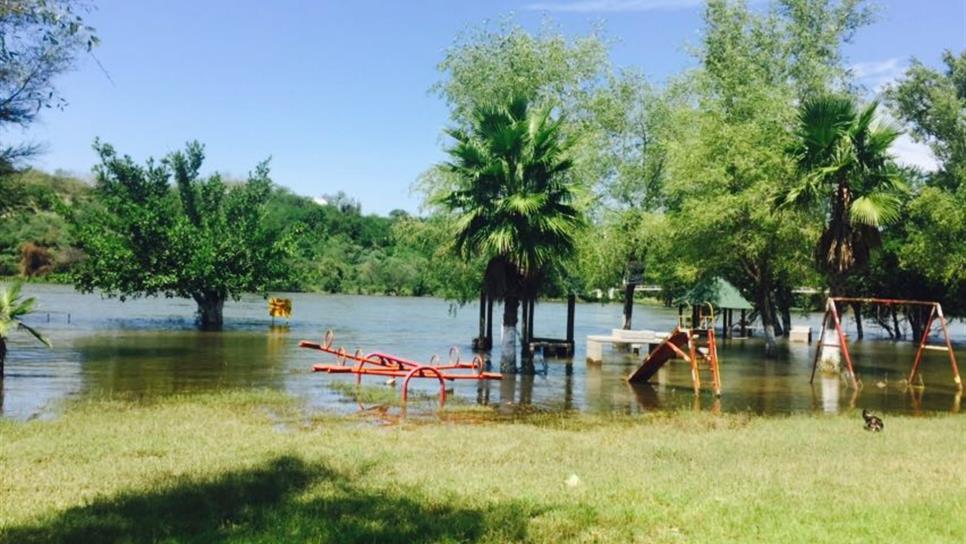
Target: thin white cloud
{"x":613,"y":6}
{"x":912,"y":153}
{"x":875,"y":75}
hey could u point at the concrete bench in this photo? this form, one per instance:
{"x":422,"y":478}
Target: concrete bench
{"x":800,"y":333}
{"x":636,"y":340}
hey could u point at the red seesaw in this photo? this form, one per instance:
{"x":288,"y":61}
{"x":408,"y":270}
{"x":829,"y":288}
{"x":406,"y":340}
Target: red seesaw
{"x":383,"y":364}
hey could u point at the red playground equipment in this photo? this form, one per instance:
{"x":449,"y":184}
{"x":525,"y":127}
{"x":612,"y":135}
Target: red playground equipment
{"x":685,"y":336}
{"x":382,"y":364}
{"x":935,"y":314}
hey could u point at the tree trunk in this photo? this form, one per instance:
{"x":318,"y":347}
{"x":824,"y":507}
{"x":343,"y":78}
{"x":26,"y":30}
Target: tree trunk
{"x":779,"y":329}
{"x":917,"y":322}
{"x":767,"y":316}
{"x":784,"y":300}
{"x":526,"y":364}
{"x":787,"y":319}
{"x":857,"y":310}
{"x":508,"y":351}
{"x":895,"y":322}
{"x":3,"y":355}
{"x":210,"y":306}
{"x":883,"y":321}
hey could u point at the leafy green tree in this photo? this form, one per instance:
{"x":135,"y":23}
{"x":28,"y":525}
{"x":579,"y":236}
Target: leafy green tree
{"x":848,"y":173}
{"x":514,"y":201}
{"x":199,"y":239}
{"x":442,"y":271}
{"x":12,"y":310}
{"x":725,"y":143}
{"x":933,"y":104}
{"x":495,"y":65}
{"x":39,"y":40}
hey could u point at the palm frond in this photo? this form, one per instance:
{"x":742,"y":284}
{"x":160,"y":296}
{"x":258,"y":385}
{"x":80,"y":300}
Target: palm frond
{"x":33,"y":332}
{"x":875,"y":209}
{"x":513,"y":197}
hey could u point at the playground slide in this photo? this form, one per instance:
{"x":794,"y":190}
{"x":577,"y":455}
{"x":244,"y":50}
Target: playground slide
{"x":661,"y":354}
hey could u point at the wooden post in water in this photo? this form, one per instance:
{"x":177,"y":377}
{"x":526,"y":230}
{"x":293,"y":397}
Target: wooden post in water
{"x":628,"y":305}
{"x":524,"y":328}
{"x":489,"y":320}
{"x":481,"y":337}
{"x":533,"y":303}
{"x":571,"y":306}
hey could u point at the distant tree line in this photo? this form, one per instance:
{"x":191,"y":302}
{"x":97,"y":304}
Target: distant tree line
{"x":336,"y":247}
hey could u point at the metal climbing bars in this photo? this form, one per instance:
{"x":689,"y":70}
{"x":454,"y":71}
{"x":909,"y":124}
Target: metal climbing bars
{"x":383,"y":364}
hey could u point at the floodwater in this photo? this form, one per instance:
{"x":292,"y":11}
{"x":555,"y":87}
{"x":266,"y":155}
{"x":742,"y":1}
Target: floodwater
{"x":150,"y":347}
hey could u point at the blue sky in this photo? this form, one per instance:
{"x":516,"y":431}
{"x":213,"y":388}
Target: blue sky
{"x":337,"y":92}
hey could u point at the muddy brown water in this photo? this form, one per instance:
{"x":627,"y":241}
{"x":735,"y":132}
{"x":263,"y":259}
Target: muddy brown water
{"x":150,"y":347}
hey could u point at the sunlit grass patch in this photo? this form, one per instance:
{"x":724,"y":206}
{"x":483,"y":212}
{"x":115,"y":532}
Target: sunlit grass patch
{"x":256,"y":467}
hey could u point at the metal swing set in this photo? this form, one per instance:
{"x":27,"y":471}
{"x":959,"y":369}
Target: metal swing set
{"x":935,"y":314}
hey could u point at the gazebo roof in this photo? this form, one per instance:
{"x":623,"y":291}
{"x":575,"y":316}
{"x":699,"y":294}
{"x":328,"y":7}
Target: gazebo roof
{"x":727,"y":296}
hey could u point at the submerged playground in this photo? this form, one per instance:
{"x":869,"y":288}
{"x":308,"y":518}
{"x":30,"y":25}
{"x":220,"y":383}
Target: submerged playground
{"x":128,"y":431}
{"x":662,"y":363}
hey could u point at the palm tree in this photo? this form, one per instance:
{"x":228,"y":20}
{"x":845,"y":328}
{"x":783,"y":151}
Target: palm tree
{"x":848,"y":174}
{"x":12,"y":308}
{"x":513,"y":200}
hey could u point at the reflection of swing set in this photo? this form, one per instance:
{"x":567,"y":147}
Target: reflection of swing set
{"x":382,"y":364}
{"x":686,"y":335}
{"x":935,"y":314}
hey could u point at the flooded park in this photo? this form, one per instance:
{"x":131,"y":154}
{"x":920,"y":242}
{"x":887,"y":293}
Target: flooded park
{"x":146,"y":348}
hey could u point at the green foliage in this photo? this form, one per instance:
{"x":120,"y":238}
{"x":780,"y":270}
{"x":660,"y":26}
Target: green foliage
{"x":39,"y":40}
{"x":514,"y":195}
{"x":35,"y":203}
{"x":486,"y":66}
{"x":12,"y":310}
{"x":726,"y":140}
{"x":623,"y":151}
{"x":936,"y":234}
{"x":814,"y":31}
{"x":200,"y":239}
{"x":429,"y":243}
{"x":338,"y":249}
{"x":846,"y":171}
{"x":934,"y":105}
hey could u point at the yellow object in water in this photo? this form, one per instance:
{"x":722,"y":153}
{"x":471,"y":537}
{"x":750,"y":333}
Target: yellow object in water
{"x":280,"y":307}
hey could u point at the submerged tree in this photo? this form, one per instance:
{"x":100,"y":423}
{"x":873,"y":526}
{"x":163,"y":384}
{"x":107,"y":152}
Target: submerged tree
{"x":848,"y":173}
{"x":201,"y":239}
{"x":513,"y":200}
{"x":12,"y":309}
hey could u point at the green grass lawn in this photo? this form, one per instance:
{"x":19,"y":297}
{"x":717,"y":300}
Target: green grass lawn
{"x":255,"y":467}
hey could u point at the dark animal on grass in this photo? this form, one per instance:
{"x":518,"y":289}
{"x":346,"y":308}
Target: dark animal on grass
{"x":872,"y":423}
